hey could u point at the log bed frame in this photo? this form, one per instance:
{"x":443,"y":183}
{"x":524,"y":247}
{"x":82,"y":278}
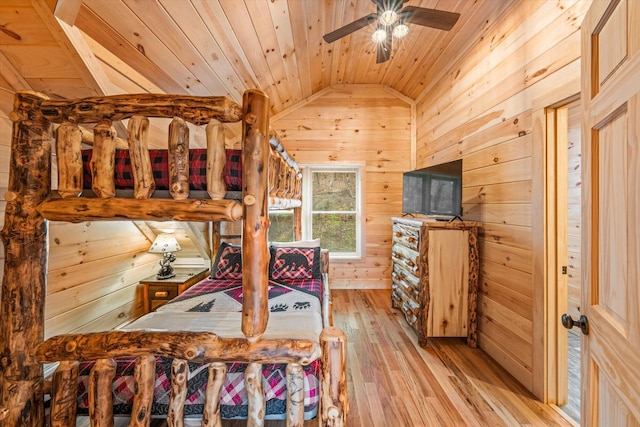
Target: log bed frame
{"x":268,"y":179}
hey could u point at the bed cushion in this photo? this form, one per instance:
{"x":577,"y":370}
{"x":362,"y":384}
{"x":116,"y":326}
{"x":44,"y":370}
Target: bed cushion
{"x":294,"y":263}
{"x":159,"y":165}
{"x":228,"y":263}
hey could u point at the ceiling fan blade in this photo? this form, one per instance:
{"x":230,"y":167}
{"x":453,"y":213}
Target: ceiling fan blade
{"x":439,"y":19}
{"x":350,"y":28}
{"x":384,"y":49}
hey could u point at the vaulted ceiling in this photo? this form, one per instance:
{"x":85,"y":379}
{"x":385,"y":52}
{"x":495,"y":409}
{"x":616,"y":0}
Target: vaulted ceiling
{"x":220,"y":47}
{"x":79,"y":48}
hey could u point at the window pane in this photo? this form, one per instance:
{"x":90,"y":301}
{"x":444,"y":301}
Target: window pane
{"x":337,"y":232}
{"x":334,"y":191}
{"x":281,"y":228}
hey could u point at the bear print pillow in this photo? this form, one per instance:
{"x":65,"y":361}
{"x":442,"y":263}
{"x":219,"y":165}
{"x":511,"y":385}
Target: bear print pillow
{"x":294,"y":263}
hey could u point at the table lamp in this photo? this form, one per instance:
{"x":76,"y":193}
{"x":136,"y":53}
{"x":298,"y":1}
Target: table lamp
{"x":165,"y":244}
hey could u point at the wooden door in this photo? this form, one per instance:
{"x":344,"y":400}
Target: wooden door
{"x":611,"y":196}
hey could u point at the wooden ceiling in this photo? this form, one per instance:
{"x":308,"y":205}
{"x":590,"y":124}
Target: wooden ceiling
{"x":205,"y":47}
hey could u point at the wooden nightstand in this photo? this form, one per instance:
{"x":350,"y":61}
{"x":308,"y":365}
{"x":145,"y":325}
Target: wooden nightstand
{"x":158,"y":292}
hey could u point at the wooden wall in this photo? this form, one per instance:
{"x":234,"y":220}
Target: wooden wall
{"x":477,"y":105}
{"x":361,"y":124}
{"x":94,"y":269}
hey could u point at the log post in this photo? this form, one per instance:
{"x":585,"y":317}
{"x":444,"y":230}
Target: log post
{"x":25,"y":266}
{"x":282,"y":179}
{"x":334,"y":404}
{"x":255,"y":252}
{"x":295,"y":395}
{"x":144,"y":382}
{"x":211,"y":412}
{"x":275,"y":164}
{"x":215,"y":237}
{"x":64,"y":395}
{"x":137,"y":133}
{"x":290,"y":187}
{"x":69,"y":154}
{"x":179,"y":374}
{"x":100,"y":395}
{"x":178,"y":159}
{"x":297,"y":223}
{"x":103,"y":160}
{"x":298,"y":192}
{"x":216,"y":160}
{"x":271,"y":176}
{"x":255,"y":395}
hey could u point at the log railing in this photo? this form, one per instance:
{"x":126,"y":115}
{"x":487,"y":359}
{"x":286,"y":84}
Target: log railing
{"x":183,"y":347}
{"x":284,"y":178}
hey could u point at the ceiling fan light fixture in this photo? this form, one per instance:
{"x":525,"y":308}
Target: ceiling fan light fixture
{"x":399,"y":31}
{"x":379,"y":35}
{"x":388,"y":17}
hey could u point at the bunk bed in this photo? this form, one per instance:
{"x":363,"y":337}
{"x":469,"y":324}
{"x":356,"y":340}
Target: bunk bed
{"x":270,"y":180}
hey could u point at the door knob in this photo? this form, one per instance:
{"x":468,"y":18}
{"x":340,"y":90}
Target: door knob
{"x":583,"y":323}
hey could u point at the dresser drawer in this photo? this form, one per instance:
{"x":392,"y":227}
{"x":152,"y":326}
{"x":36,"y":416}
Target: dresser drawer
{"x":407,"y":258}
{"x":408,"y":306}
{"x":162,"y":292}
{"x":407,"y":236}
{"x":408,"y":282}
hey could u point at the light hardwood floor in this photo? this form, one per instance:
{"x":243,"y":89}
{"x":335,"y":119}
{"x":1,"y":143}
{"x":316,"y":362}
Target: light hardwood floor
{"x":395,"y":383}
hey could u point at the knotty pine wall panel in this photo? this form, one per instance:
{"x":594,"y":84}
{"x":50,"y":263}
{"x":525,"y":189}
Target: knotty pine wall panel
{"x":94,"y":269}
{"x":480,"y":111}
{"x":359,"y":124}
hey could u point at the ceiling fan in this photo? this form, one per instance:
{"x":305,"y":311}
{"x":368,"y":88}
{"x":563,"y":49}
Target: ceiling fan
{"x":392,"y":20}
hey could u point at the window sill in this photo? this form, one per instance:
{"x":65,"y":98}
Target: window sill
{"x":344,"y":258}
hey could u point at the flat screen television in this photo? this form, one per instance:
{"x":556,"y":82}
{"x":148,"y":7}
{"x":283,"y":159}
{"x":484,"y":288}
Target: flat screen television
{"x":435,"y":191}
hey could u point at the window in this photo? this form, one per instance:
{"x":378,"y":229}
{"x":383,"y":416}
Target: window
{"x":281,"y":227}
{"x":331,"y":211}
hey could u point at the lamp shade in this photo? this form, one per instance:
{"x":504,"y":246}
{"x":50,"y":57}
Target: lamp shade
{"x":164,"y":243}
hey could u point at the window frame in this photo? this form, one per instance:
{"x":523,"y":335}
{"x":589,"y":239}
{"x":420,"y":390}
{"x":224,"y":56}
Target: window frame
{"x":307,"y":205}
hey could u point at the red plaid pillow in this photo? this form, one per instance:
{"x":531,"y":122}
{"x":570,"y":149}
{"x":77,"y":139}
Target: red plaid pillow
{"x":294,"y":263}
{"x":228,"y":264}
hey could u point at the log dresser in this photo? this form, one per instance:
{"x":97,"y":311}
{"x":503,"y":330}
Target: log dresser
{"x":158,"y":292}
{"x":435,"y":277}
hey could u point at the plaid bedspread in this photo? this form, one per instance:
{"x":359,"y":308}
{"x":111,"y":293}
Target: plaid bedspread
{"x":221,"y":296}
{"x":160,"y":167}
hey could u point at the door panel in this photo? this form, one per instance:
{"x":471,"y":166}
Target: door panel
{"x":611,"y":156}
{"x":611,"y":214}
{"x":612,"y":42}
{"x":615,"y":414}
